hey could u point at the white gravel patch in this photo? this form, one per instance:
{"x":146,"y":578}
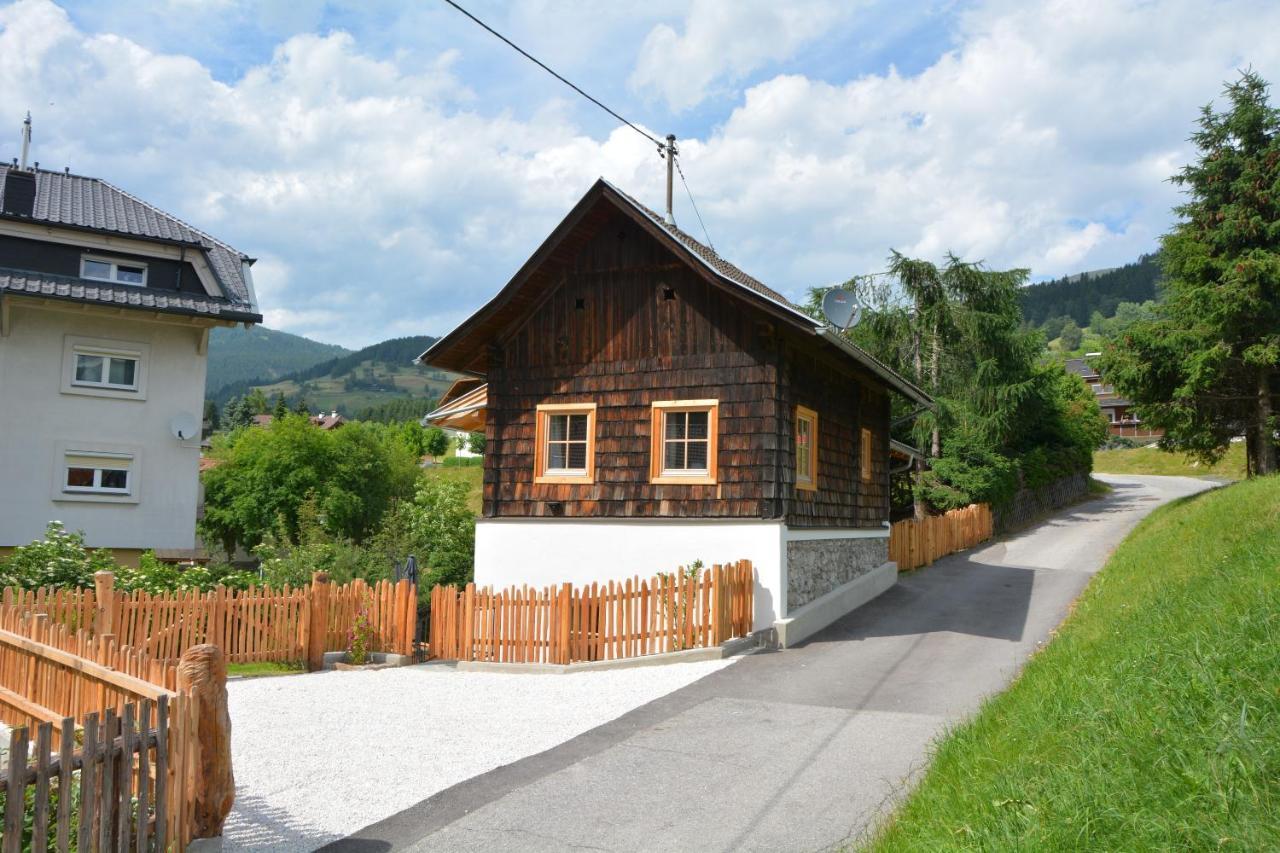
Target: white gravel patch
{"x":318,"y":757}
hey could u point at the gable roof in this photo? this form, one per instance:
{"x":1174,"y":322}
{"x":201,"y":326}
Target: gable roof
{"x":463,"y":349}
{"x":92,"y":204}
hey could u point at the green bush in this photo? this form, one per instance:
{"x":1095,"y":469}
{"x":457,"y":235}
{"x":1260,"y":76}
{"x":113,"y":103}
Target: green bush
{"x":970,"y":472}
{"x":58,"y":560}
{"x":265,"y":475}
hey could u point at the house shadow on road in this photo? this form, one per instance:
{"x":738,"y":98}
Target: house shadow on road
{"x":960,"y":594}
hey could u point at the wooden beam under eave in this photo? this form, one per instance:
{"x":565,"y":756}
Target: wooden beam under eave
{"x":5,"y":318}
{"x":202,"y":342}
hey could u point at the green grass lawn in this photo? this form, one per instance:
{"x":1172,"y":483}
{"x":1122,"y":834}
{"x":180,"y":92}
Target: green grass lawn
{"x":1151,"y":722}
{"x":253,"y":670}
{"x":1152,"y":460}
{"x":472,"y":475}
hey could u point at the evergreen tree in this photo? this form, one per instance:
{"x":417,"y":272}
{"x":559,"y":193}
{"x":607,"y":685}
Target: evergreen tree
{"x":256,"y":402}
{"x":301,"y":407}
{"x":279,"y":408}
{"x":1071,"y":336}
{"x":236,"y":414}
{"x":1206,"y":368}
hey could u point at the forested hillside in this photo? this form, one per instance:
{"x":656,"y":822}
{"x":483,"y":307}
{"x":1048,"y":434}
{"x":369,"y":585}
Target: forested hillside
{"x":1079,"y":296}
{"x":258,"y":353}
{"x":382,"y":382}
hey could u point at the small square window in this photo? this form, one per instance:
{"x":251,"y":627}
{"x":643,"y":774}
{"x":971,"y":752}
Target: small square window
{"x":684,"y":442}
{"x":564,"y":443}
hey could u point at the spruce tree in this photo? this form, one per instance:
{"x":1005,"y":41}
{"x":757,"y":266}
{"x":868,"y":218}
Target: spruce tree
{"x":1205,"y":369}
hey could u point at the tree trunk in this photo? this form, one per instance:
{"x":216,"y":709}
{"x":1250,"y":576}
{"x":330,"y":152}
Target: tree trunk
{"x":1265,"y":444}
{"x":935,"y":445}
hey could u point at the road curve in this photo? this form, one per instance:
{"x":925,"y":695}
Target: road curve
{"x":801,"y":750}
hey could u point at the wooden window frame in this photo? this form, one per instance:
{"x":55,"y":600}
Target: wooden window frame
{"x":541,"y":416}
{"x":806,"y":414}
{"x":866,"y":450}
{"x":658,"y":474}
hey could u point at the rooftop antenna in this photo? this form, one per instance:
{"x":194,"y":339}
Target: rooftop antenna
{"x":26,"y":148}
{"x":670,"y":152}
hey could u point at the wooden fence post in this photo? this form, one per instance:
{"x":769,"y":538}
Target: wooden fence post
{"x":202,"y":675}
{"x":317,"y":621}
{"x":104,"y":615}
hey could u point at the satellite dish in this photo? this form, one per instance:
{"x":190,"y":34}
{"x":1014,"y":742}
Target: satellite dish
{"x":841,"y":308}
{"x":184,"y":427}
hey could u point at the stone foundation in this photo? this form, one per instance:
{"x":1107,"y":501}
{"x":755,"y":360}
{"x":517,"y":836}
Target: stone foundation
{"x":817,"y":566}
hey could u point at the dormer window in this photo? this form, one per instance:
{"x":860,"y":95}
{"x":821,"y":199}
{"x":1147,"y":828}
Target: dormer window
{"x":116,"y":272}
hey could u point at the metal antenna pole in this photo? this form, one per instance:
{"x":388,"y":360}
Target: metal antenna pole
{"x":671,"y":163}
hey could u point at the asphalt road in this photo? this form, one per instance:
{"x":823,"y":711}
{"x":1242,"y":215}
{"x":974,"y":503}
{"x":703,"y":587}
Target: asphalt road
{"x":800,"y":750}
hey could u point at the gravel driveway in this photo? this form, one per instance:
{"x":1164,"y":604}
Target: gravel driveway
{"x":320,"y":756}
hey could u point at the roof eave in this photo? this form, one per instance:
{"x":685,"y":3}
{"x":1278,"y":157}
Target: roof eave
{"x":892,"y":379}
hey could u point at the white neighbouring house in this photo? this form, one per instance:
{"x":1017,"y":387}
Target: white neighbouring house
{"x":106,"y":304}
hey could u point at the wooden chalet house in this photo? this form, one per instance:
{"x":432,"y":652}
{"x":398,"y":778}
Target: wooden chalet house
{"x":647,"y":404}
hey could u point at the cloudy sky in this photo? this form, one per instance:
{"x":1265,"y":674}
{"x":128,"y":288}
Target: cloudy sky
{"x":391,"y":165}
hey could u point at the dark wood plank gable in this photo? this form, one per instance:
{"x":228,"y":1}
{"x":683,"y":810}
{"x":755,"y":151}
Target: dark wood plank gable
{"x":627,"y":324}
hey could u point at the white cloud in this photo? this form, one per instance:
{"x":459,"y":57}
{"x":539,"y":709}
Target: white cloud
{"x":388,"y":194}
{"x":723,"y":42}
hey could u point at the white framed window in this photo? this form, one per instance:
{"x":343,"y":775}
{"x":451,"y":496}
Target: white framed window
{"x":101,"y":474}
{"x":105,"y":370}
{"x":99,"y":367}
{"x":684,"y":441}
{"x":113,"y":270}
{"x":96,"y":472}
{"x":564,"y":449}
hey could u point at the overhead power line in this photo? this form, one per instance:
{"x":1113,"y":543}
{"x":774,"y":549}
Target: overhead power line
{"x":556,"y":75}
{"x":695,"y":205}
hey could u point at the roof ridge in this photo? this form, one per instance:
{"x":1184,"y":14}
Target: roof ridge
{"x":159,"y":212}
{"x":734,"y":272}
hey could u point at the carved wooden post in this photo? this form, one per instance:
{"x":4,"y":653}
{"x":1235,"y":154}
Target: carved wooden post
{"x":202,"y":674}
{"x":104,"y":596}
{"x":318,"y":628}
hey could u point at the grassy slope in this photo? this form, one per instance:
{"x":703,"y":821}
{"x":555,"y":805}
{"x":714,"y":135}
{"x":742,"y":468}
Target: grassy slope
{"x":1152,"y":460}
{"x":1151,"y":722}
{"x":472,"y":475}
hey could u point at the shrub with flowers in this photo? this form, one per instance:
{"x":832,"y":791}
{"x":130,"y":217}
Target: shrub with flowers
{"x":362,"y":637}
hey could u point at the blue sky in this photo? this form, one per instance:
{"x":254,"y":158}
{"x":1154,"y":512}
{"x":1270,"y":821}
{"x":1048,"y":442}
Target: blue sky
{"x":391,"y":164}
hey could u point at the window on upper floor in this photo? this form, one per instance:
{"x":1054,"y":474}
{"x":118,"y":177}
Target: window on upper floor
{"x":806,"y":449}
{"x":684,"y":441}
{"x":106,"y":370}
{"x":564,"y":449}
{"x":100,"y":367}
{"x":114,"y":271}
{"x":86,"y":472}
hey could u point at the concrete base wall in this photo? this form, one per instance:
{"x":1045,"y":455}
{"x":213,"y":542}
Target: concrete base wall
{"x":803,"y":623}
{"x":793,"y":567}
{"x":545,"y":551}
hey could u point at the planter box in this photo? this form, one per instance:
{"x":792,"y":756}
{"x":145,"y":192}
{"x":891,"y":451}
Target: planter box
{"x":377,"y":660}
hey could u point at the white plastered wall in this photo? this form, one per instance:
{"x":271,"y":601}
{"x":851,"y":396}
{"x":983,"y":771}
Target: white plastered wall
{"x":37,"y":417}
{"x":544,"y":551}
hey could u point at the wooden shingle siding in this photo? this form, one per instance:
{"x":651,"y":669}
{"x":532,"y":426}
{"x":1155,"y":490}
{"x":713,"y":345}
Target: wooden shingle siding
{"x":846,"y":401}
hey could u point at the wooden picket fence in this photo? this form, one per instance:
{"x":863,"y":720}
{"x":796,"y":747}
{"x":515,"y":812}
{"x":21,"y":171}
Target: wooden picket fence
{"x":92,"y":702}
{"x":257,"y":624}
{"x":566,"y":624}
{"x":913,"y":543}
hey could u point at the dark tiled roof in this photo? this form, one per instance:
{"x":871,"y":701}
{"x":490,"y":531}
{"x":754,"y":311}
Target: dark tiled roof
{"x":95,"y":204}
{"x":709,"y":257}
{"x":125,"y":296}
